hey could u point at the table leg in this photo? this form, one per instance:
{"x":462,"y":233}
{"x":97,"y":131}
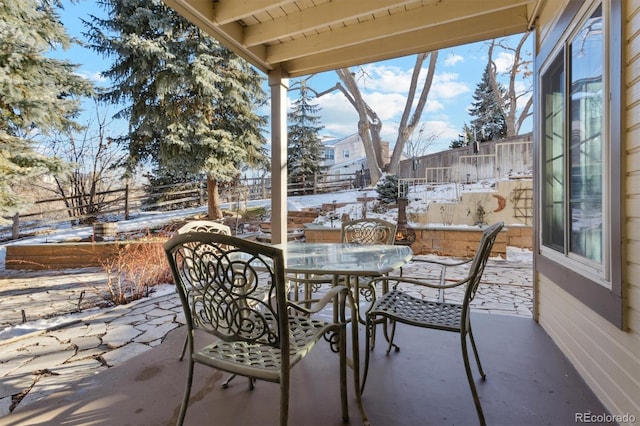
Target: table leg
{"x":355,"y":345}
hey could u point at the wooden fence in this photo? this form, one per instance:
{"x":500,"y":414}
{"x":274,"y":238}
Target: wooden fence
{"x":48,"y":214}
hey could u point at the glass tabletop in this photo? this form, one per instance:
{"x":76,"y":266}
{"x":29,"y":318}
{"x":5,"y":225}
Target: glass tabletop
{"x":344,"y":259}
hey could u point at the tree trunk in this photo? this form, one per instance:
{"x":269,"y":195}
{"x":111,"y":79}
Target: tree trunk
{"x":510,"y":104}
{"x":213,"y":199}
{"x":369,"y":131}
{"x":406,"y":127}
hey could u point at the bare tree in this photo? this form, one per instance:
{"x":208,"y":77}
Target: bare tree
{"x":93,"y":159}
{"x":520,"y":67}
{"x":418,"y":145}
{"x":369,"y":123}
{"x":408,"y":125}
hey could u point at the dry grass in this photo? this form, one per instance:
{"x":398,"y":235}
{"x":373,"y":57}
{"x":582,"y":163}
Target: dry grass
{"x":134,"y":270}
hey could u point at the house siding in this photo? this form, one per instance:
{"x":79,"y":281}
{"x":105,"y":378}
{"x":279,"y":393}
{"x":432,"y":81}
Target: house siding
{"x":606,"y":357}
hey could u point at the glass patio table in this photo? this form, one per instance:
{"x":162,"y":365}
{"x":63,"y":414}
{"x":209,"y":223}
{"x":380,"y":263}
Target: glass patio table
{"x":346,"y":263}
{"x":344,"y":259}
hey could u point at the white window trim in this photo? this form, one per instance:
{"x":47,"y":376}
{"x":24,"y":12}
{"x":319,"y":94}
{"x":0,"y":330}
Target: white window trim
{"x":597,"y":272}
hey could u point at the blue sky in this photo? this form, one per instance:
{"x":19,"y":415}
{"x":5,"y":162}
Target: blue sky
{"x":458,"y":71}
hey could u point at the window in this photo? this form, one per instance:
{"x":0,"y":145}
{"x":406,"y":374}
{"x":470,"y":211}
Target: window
{"x":578,"y":151}
{"x":573,"y":129}
{"x":328,"y":154}
{"x":345,"y":153}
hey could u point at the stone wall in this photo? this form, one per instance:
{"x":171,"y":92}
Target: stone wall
{"x":455,"y":242}
{"x":443,"y":241}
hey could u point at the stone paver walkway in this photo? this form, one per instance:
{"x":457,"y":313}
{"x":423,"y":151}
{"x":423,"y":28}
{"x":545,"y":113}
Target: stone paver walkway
{"x":40,"y":363}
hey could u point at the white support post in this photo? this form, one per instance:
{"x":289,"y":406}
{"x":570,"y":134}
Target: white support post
{"x":279,"y":84}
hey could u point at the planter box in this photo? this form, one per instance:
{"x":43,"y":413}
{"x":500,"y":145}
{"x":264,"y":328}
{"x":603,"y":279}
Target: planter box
{"x":314,"y":233}
{"x":455,"y":242}
{"x":443,"y":241}
{"x":63,"y":255}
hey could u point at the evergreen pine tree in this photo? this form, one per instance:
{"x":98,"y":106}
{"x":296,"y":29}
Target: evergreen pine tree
{"x":38,"y":94}
{"x":489,"y":123}
{"x":389,"y":189}
{"x":464,"y":139}
{"x":304,"y":149}
{"x":190,"y":101}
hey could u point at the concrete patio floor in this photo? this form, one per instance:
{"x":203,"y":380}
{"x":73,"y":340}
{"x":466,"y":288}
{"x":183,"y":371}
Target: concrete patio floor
{"x":529,"y":382}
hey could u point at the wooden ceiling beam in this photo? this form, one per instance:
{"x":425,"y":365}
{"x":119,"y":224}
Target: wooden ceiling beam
{"x":426,"y":40}
{"x":310,"y":19}
{"x":389,"y":26}
{"x":234,"y":10}
{"x":199,"y":12}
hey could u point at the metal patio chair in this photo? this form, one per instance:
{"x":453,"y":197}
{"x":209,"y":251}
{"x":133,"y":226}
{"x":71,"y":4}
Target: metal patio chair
{"x":202,"y":226}
{"x":205,"y":226}
{"x":217,"y":277}
{"x":368,"y":231}
{"x":397,"y":306}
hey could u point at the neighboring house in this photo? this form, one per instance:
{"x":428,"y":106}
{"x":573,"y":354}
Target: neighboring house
{"x":347,"y":156}
{"x":586,"y":137}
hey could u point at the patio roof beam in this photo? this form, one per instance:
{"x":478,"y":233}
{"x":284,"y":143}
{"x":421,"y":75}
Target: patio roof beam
{"x":433,"y":38}
{"x":201,"y":13}
{"x":234,"y":10}
{"x":308,"y":20}
{"x":420,"y":20}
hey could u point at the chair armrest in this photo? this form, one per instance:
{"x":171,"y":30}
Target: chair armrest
{"x":438,"y":262}
{"x":395,"y":281}
{"x":320,"y":304}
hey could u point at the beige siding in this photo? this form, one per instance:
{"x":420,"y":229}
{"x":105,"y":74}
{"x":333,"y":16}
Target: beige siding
{"x":606,"y":357}
{"x":548,"y":17}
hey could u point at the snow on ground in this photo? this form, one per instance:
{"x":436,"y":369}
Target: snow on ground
{"x":146,"y":220}
{"x":419,"y":196}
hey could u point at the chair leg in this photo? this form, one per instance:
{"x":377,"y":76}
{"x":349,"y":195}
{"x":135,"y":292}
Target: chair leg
{"x":472,"y":385}
{"x":225,"y":384}
{"x":385,"y":331}
{"x":343,"y":373}
{"x":390,"y":339}
{"x":370,"y":324}
{"x":184,"y":348}
{"x":284,"y":398}
{"x":475,"y":352}
{"x":187,"y":394}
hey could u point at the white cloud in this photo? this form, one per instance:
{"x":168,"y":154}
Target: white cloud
{"x":434,"y":106}
{"x":387,"y":106}
{"x":504,"y":62}
{"x":445,"y":134}
{"x":453,"y":59}
{"x":443,"y":129}
{"x":447,"y":86}
{"x":337,"y":115}
{"x":94,"y":76}
{"x":385,"y":78}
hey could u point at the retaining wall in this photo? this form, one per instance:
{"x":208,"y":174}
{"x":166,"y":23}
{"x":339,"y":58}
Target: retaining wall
{"x":63,"y":255}
{"x":443,"y":241}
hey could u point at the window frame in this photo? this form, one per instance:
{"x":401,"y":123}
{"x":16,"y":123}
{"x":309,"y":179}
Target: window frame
{"x":602,"y":292}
